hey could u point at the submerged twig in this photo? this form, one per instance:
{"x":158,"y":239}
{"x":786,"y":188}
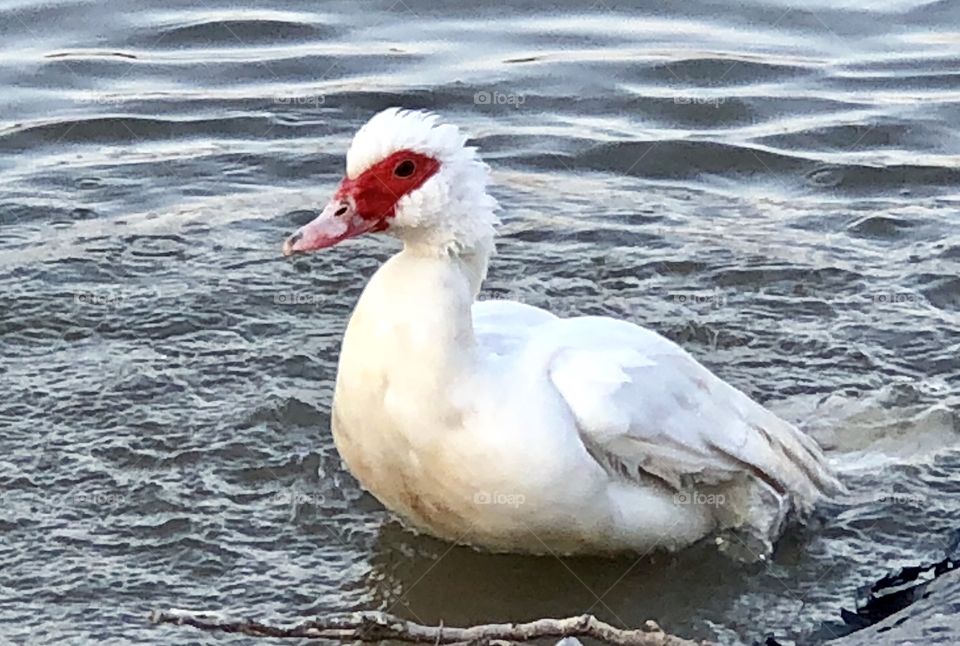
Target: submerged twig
{"x":378,"y":626}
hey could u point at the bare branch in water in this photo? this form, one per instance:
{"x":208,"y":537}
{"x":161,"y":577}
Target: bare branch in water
{"x":378,"y":626}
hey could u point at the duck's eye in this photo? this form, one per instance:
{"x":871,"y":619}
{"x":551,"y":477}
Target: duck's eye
{"x":405,"y":168}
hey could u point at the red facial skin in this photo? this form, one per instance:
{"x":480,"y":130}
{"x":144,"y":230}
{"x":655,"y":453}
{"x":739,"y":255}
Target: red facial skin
{"x":377,"y":190}
{"x":365,"y":203}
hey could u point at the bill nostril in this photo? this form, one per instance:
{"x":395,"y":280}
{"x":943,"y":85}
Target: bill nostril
{"x":340,"y":211}
{"x":295,"y":238}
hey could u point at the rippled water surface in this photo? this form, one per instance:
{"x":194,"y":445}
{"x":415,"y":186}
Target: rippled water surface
{"x":774,"y":188}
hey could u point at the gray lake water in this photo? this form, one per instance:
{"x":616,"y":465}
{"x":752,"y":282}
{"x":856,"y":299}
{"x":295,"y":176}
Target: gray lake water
{"x":775,"y":188}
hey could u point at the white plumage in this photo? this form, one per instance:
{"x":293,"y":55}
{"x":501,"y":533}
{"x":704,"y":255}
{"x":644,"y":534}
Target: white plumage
{"x":500,"y":425}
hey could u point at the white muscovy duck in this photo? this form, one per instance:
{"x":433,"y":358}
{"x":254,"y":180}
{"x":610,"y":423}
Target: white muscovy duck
{"x":499,"y":425}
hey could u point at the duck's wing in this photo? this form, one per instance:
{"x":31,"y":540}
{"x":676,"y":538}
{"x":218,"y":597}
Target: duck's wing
{"x":502,"y":327}
{"x":645,"y":409}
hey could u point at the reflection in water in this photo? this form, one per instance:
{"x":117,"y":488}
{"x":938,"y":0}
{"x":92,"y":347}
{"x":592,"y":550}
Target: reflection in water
{"x":430,"y":581}
{"x":414,"y":573}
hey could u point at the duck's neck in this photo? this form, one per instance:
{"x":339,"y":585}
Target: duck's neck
{"x":412,"y":328}
{"x":472,"y":261}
